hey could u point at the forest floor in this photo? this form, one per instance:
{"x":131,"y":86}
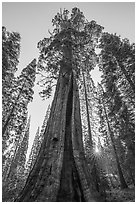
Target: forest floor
{"x":118,"y":195}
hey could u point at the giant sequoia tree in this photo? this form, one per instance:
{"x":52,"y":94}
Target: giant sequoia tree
{"x":60,"y":172}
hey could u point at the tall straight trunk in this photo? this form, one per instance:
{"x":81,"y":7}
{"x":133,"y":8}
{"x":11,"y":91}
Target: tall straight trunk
{"x":123,"y":183}
{"x":93,"y":168}
{"x":60,"y":172}
{"x":4,"y":128}
{"x":87,"y":110}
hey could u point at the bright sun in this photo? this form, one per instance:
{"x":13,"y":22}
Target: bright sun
{"x":96,"y":150}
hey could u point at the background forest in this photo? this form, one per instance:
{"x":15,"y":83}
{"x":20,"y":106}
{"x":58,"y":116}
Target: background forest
{"x":66,"y":59}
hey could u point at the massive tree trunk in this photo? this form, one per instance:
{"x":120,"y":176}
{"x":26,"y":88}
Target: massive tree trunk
{"x":60,"y":172}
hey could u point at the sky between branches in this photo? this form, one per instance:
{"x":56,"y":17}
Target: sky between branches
{"x":33,"y":20}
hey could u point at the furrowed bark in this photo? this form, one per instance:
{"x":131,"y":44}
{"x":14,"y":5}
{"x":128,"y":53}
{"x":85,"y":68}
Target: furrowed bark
{"x":61,"y":166}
